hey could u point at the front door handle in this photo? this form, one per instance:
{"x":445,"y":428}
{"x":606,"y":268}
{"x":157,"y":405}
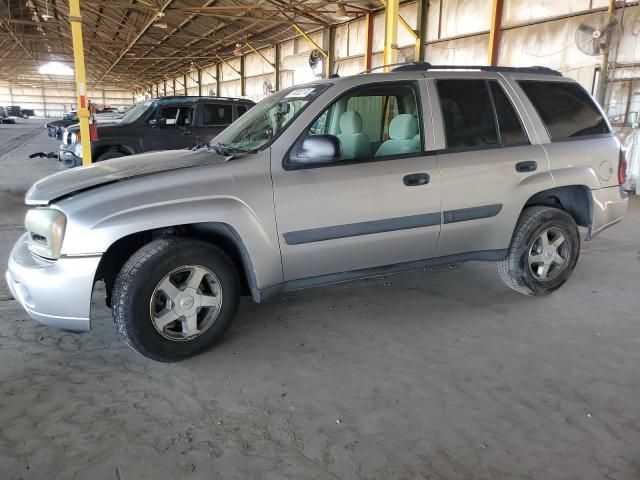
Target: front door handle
{"x":528,"y":166}
{"x":416,"y":179}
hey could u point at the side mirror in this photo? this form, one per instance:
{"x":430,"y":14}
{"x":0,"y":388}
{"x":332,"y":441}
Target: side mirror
{"x":315,"y":150}
{"x":158,"y":122}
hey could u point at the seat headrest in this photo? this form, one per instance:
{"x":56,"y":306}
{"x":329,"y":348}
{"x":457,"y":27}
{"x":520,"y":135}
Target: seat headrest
{"x":403,"y":127}
{"x":350,"y":122}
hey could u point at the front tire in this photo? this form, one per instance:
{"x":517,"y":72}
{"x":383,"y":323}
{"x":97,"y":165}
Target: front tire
{"x":174,"y":298}
{"x":544,"y":251}
{"x":109,"y":154}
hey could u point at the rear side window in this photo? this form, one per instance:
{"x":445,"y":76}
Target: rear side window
{"x":467,"y":113}
{"x":566,"y":109}
{"x":511,"y":131}
{"x":216,"y":114}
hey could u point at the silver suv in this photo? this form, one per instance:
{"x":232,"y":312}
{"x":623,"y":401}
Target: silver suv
{"x":335,"y":180}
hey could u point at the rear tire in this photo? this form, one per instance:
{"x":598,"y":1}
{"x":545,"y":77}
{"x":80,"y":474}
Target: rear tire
{"x":174,"y":298}
{"x":544,"y":251}
{"x":110,"y":154}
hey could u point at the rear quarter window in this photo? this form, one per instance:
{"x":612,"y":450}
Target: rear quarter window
{"x":566,"y":109}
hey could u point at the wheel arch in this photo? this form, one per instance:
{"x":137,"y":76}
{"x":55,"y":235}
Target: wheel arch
{"x":101,"y":149}
{"x":576,"y":200}
{"x":220,"y":234}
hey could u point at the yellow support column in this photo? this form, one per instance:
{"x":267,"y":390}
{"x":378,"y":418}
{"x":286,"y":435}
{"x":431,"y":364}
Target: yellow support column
{"x":495,"y":32}
{"x":81,"y":84}
{"x":601,"y":88}
{"x":391,"y":11}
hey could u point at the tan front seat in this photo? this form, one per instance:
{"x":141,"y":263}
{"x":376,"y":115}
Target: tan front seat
{"x":355,"y":144}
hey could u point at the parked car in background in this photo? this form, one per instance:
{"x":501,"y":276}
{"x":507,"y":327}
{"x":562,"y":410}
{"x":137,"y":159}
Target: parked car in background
{"x":5,"y":117}
{"x":167,"y":123}
{"x":19,"y":112}
{"x":321,"y":183}
{"x":56,"y":127}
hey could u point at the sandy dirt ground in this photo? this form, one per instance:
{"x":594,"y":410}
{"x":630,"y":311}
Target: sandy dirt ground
{"x":436,"y":374}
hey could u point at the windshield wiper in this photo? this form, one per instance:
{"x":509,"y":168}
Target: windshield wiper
{"x":226,"y":150}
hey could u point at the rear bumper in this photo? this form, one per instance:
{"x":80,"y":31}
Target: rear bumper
{"x":608,"y":207}
{"x":55,"y":293}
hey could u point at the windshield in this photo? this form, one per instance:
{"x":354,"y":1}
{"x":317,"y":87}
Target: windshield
{"x":257,"y":128}
{"x":135,"y":112}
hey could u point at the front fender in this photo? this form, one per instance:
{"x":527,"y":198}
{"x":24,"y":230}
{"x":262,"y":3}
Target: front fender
{"x":98,"y":147}
{"x":261,"y":246}
{"x":99,"y":217}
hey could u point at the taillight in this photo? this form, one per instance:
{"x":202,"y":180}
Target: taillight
{"x":622,"y":167}
{"x":78,"y":137}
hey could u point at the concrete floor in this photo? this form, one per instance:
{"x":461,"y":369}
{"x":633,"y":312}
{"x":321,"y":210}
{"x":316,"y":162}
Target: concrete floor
{"x":438,"y":374}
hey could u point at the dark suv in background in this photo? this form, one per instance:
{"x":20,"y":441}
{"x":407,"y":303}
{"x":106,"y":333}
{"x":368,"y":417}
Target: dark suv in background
{"x":167,"y":123}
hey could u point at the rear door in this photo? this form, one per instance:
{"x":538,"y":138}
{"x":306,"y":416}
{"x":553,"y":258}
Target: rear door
{"x":490,"y":161}
{"x":214,"y":117}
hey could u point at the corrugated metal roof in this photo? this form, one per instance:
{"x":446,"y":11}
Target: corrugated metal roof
{"x":140,"y":41}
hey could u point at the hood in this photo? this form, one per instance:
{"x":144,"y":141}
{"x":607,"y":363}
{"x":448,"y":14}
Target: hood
{"x":82,"y":178}
{"x":60,"y":123}
{"x":104,"y":126}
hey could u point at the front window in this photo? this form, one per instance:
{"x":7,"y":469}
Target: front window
{"x":173,"y":116}
{"x":135,"y":112}
{"x":376,"y":120}
{"x":257,"y":128}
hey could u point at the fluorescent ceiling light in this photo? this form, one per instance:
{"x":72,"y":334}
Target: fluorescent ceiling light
{"x":55,"y":68}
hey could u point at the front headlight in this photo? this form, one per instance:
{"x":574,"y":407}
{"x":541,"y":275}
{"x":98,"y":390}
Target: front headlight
{"x":46,"y":228}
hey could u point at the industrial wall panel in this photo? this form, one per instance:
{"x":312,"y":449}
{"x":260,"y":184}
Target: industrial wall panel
{"x":351,"y":66}
{"x":629,"y":47}
{"x":462,"y":17}
{"x":463,"y":51}
{"x":230,"y":89}
{"x":378,"y":33}
{"x":409,"y":13}
{"x":259,"y":87}
{"x":433,"y":20}
{"x":357,"y":37}
{"x":522,"y":11}
{"x":342,"y":41}
{"x":303,"y":45}
{"x":550,"y":44}
{"x":192,"y":79}
{"x":254,"y":64}
{"x":228,"y":73}
{"x":209,"y":75}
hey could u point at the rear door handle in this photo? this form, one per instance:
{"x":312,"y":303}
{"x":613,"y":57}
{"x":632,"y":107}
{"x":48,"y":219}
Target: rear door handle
{"x":528,"y":166}
{"x":416,"y":179}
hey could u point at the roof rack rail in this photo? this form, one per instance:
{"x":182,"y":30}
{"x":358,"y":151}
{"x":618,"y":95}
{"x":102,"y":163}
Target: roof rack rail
{"x":413,"y":66}
{"x":424,"y":66}
{"x":178,"y":97}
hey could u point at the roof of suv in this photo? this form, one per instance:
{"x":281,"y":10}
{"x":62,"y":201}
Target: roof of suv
{"x":420,"y":69}
{"x":195,"y":98}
